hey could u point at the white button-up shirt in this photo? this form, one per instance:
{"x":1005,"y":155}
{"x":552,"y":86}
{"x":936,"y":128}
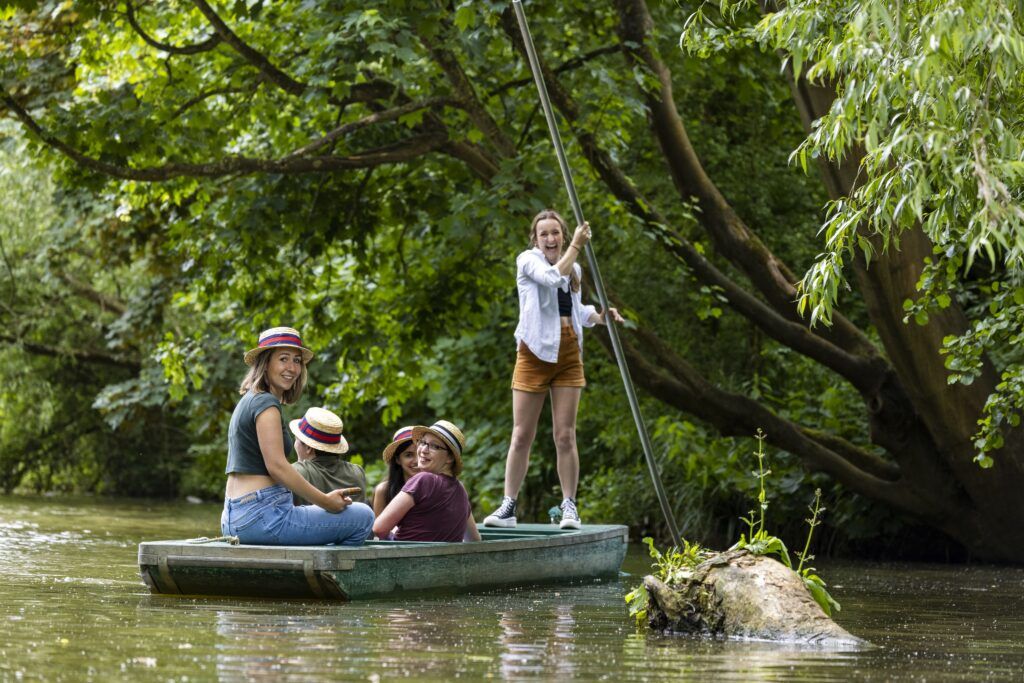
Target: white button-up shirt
{"x":540,"y":326}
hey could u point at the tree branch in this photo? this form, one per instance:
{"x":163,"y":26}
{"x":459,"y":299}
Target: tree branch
{"x":737,"y":415}
{"x":87,"y":291}
{"x":466,"y":93}
{"x":376,"y":89}
{"x":377,"y":117}
{"x":860,"y":372}
{"x":405,"y":150}
{"x":81,"y":355}
{"x":257,"y":59}
{"x":568,"y":65}
{"x":732,"y":237}
{"x":865,"y":460}
{"x":478,"y":162}
{"x":10,"y":270}
{"x":204,"y":96}
{"x":204,"y":46}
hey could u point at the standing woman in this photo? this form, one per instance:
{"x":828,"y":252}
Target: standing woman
{"x":549,"y":360}
{"x":400,"y":456}
{"x":258,"y":505}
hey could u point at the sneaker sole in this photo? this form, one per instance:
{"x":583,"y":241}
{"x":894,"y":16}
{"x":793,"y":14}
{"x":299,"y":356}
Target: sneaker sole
{"x":508,"y":523}
{"x":569,"y":524}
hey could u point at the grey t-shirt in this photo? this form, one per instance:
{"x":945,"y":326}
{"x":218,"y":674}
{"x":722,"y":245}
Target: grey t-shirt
{"x":244,"y":455}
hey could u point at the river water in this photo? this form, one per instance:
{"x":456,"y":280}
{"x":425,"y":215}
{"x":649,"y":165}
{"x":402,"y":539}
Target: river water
{"x":73,"y":608}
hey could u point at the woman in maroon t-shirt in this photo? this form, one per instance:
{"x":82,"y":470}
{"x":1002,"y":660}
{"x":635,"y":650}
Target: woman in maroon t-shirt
{"x":433,"y":505}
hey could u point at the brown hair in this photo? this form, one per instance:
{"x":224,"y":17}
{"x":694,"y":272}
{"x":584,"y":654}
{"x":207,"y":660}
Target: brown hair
{"x":551,"y":214}
{"x":396,"y":475}
{"x":256,"y":379}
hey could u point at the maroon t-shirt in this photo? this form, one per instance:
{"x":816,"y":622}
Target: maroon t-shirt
{"x":440,"y":512}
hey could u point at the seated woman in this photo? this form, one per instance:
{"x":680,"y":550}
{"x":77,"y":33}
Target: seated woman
{"x":320,"y":447}
{"x":433,"y":505}
{"x":400,"y":456}
{"x":258,"y":506}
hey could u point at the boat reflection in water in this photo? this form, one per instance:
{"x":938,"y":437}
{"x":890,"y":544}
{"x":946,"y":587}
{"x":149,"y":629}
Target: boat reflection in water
{"x":538,"y":642}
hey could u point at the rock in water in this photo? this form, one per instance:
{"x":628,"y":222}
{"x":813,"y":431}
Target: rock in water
{"x":739,"y":595}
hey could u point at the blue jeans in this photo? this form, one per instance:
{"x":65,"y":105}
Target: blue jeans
{"x":269,"y":517}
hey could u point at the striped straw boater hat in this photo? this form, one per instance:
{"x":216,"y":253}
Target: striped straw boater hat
{"x":319,"y":428}
{"x":278,"y":336}
{"x":403,"y":435}
{"x":451,"y":435}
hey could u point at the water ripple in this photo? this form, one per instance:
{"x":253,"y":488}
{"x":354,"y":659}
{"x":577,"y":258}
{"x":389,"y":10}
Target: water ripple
{"x":73,"y":608}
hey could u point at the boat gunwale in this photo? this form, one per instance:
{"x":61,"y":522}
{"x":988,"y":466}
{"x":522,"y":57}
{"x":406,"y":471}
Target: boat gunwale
{"x":343,"y":557}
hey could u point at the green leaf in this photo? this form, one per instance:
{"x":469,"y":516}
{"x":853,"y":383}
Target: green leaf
{"x":465,"y":17}
{"x":816,"y":587}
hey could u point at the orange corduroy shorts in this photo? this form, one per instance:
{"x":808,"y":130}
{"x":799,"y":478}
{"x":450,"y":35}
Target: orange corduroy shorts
{"x":535,"y":376}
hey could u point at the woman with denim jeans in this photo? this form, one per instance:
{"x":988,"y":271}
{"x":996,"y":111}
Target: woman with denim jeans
{"x":258,"y":499}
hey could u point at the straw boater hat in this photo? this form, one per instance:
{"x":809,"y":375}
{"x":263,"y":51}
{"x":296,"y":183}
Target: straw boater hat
{"x":403,"y":435}
{"x":320,"y":429}
{"x":452,"y":437}
{"x":278,"y":336}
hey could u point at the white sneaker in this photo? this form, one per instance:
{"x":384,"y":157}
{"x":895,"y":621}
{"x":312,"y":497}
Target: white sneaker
{"x":504,"y":516}
{"x":570,"y":517}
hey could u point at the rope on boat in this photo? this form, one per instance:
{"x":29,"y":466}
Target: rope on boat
{"x":230,"y":540}
{"x":620,"y":358}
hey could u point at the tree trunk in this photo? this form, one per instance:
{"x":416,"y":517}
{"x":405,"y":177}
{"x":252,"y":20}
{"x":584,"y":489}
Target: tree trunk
{"x":919,"y":414}
{"x":739,"y":595}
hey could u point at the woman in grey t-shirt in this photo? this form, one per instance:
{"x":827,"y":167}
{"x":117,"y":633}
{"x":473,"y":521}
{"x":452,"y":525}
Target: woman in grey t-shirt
{"x":258,"y":500}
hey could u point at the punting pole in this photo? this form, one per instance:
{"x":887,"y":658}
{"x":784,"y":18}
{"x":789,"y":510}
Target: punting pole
{"x":613,"y":333}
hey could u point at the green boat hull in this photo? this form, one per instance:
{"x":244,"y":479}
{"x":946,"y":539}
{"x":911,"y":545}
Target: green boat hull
{"x":528,"y":554}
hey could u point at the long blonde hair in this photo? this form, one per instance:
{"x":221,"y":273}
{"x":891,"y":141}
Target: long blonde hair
{"x":546,"y":214}
{"x":256,"y":379}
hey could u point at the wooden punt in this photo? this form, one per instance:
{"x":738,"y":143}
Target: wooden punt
{"x":528,"y":554}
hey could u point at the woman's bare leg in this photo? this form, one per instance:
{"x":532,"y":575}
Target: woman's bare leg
{"x":526,"y":407}
{"x":565,"y":402}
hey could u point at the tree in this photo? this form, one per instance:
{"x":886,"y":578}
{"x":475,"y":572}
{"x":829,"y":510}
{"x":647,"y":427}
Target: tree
{"x":352,"y":166}
{"x":913,"y":115}
{"x":73,"y":322}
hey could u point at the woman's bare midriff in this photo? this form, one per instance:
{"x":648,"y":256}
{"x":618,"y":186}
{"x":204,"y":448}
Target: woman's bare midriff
{"x":566,"y":321}
{"x":241,"y":484}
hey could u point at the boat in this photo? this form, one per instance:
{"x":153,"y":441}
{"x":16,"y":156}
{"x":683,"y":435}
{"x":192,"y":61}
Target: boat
{"x":527,"y":554}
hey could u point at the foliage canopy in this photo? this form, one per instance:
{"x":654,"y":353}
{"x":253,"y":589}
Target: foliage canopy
{"x":928,"y":105}
{"x":367,"y":172}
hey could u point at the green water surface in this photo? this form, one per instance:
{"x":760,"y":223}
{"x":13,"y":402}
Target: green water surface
{"x":73,"y":608}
